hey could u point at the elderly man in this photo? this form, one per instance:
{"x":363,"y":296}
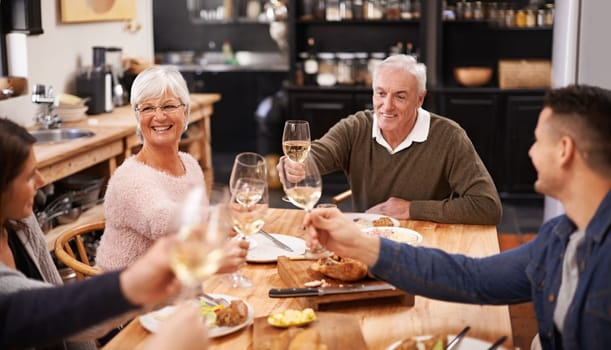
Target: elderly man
{"x":565,"y":271}
{"x":404,"y":161}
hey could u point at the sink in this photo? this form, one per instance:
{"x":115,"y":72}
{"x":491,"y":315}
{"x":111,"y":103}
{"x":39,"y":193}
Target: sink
{"x":59,"y":135}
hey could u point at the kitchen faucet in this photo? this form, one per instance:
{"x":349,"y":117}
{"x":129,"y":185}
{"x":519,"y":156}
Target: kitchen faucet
{"x":45,"y":99}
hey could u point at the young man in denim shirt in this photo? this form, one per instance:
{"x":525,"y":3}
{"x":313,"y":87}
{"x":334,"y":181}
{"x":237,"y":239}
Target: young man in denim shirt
{"x":565,"y":271}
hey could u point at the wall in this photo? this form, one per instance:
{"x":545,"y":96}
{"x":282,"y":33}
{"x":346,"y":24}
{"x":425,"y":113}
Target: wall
{"x":53,"y":57}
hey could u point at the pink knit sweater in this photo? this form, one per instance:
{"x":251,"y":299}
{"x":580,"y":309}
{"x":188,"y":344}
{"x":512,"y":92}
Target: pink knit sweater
{"x":142,"y":204}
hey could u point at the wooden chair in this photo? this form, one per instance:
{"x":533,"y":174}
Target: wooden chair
{"x":65,"y":253}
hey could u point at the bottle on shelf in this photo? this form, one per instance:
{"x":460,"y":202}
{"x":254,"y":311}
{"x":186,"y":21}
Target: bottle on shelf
{"x":357,"y":9}
{"x":346,"y":10}
{"x":327,"y":69}
{"x":310,"y":65}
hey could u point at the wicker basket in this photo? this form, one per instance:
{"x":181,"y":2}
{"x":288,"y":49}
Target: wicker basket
{"x":524,"y":74}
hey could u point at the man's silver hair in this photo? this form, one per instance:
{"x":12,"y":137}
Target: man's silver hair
{"x":407,"y":63}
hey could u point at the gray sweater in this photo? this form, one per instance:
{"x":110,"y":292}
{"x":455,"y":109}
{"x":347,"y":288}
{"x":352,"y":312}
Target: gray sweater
{"x":12,"y":280}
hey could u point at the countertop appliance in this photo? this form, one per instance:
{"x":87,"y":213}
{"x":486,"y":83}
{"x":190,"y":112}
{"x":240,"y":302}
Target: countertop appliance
{"x":580,"y":53}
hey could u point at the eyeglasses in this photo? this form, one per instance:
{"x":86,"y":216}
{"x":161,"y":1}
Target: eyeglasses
{"x":149,"y":111}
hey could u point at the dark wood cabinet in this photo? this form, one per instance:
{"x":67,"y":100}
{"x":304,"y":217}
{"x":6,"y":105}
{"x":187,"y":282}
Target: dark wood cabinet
{"x":477,"y":114}
{"x":521,"y":117}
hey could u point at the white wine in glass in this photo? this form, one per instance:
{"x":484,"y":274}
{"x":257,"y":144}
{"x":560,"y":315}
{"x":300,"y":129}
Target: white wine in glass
{"x":303,"y":187}
{"x":296,"y":140}
{"x":249,"y":204}
{"x":198,"y":249}
{"x":297,"y":151}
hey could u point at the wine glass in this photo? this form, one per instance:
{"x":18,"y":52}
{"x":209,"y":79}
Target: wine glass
{"x":249,"y":204}
{"x":296,"y":141}
{"x":247,"y":165}
{"x":303,"y":186}
{"x":198,"y":249}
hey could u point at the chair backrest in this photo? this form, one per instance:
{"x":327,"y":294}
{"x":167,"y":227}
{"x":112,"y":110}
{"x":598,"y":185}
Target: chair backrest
{"x":65,"y":253}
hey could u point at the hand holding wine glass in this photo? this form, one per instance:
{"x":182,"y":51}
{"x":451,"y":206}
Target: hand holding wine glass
{"x":198,"y":249}
{"x":303,"y":186}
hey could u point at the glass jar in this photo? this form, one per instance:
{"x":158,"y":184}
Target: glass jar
{"x":478,"y":11}
{"x":510,"y":18}
{"x":393,"y":10}
{"x":319,"y":10}
{"x":327,"y":69}
{"x":374,"y":61}
{"x":345,"y":10}
{"x":549,"y":14}
{"x":373,"y":10}
{"x":520,"y":18}
{"x":361,"y":74}
{"x":468,"y":11}
{"x":332,"y":10}
{"x":460,"y":10}
{"x":540,"y":18}
{"x":531,"y":18}
{"x":345,"y":68}
{"x":357,"y":9}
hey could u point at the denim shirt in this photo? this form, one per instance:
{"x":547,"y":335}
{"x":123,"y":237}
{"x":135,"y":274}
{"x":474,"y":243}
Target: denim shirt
{"x":531,"y":272}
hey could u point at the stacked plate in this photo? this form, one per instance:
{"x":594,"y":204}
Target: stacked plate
{"x":70,"y":108}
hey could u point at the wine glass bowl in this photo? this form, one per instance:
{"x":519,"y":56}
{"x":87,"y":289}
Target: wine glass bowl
{"x":197,"y":251}
{"x":302,"y":183}
{"x":249,"y":205}
{"x":296,"y":140}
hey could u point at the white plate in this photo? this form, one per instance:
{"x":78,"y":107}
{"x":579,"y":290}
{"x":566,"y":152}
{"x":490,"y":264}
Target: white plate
{"x":153,"y":320}
{"x":267,"y":251}
{"x":467,"y":343}
{"x":397,"y":234}
{"x":363,"y":220}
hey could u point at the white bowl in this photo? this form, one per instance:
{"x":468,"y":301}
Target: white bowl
{"x":71,"y":114}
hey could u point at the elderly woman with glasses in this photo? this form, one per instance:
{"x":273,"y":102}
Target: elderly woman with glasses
{"x":145,"y":193}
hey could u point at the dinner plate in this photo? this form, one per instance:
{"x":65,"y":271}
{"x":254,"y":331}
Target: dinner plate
{"x":267,"y":251}
{"x":363,"y":220}
{"x":467,"y":343}
{"x":397,"y":234}
{"x":153,"y":320}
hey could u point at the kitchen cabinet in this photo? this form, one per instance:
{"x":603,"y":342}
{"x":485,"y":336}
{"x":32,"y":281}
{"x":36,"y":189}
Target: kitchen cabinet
{"x":477,"y":114}
{"x":234,"y":128}
{"x":521,"y":117}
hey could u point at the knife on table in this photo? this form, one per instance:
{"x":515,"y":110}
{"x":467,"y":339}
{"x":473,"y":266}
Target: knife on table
{"x":276,"y":241}
{"x":320,"y":291}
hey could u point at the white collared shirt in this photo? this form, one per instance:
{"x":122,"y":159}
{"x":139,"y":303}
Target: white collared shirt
{"x":419,"y":133}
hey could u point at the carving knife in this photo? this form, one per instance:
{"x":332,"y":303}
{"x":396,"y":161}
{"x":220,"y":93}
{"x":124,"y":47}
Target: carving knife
{"x":320,"y":291}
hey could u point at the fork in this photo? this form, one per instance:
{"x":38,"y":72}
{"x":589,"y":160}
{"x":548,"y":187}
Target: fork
{"x":498,"y":343}
{"x":215,"y":300}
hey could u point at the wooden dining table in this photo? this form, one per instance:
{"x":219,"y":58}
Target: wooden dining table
{"x":381,"y":323}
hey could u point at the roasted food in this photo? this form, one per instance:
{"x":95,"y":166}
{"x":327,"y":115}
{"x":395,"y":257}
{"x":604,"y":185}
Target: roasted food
{"x":340,"y":268}
{"x":234,"y":314}
{"x":383,"y":221}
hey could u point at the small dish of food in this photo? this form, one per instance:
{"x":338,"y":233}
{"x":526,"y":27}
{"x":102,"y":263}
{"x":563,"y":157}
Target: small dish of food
{"x":291,"y":318}
{"x":365,"y":221}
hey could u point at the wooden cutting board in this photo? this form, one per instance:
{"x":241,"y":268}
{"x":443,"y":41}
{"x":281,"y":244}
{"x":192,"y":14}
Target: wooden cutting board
{"x":294,"y":273}
{"x":337,"y":331}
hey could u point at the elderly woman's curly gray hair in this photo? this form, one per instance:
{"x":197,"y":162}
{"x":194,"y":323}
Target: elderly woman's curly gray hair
{"x":407,"y":63}
{"x":156,"y":81}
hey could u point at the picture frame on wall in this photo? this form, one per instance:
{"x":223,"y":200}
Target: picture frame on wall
{"x":97,"y":10}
